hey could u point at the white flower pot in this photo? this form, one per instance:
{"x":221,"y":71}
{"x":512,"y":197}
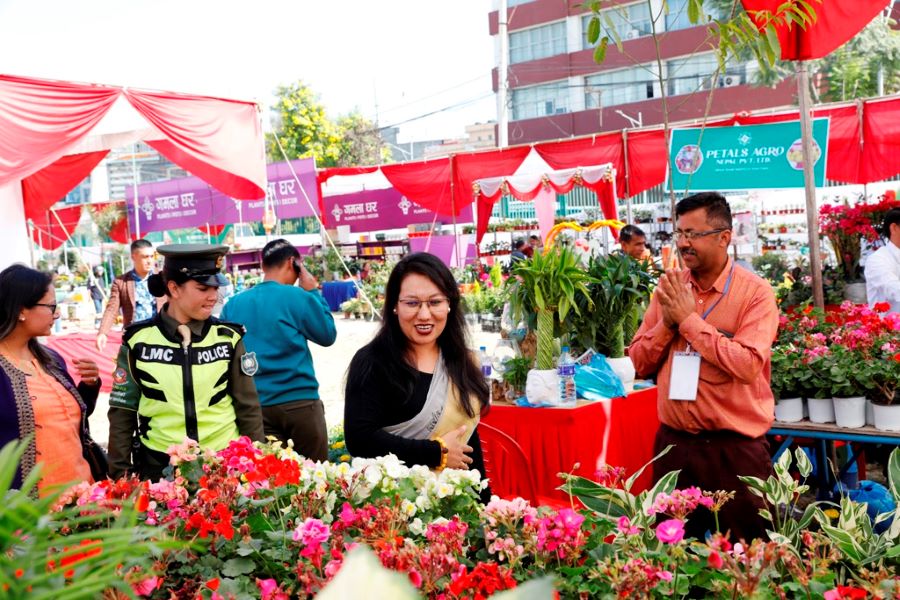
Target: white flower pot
{"x":850,"y":412}
{"x":870,"y":413}
{"x":542,"y":387}
{"x":789,"y":410}
{"x":821,"y":410}
{"x":624,"y":369}
{"x":887,"y":418}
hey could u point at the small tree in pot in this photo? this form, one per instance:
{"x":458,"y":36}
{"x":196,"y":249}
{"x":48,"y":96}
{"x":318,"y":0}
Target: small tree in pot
{"x":549,"y":285}
{"x":620,"y":285}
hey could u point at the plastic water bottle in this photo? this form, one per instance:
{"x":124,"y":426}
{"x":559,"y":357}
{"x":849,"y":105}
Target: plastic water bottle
{"x":565,"y":369}
{"x":486,"y":370}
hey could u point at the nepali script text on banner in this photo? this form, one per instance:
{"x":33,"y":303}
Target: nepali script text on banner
{"x":375,"y":210}
{"x":744,"y":157}
{"x":191,"y":202}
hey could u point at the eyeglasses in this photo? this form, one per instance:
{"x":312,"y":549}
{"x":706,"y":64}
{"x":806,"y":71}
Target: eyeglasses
{"x":52,"y":307}
{"x":435,"y":305}
{"x":694,"y":235}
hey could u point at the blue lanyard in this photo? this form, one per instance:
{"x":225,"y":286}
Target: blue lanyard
{"x":724,"y":293}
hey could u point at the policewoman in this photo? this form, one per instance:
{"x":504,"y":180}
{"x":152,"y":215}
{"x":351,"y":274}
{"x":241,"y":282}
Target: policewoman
{"x":182,"y":374}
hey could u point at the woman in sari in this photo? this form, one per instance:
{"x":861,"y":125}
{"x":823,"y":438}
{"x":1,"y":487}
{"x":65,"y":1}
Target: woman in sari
{"x":415,"y":390}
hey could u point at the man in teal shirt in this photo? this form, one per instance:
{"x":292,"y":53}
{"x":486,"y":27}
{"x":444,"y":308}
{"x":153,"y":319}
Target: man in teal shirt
{"x":280,"y":317}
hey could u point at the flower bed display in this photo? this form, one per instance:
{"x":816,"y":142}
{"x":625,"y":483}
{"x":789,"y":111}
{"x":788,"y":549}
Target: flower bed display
{"x":852,"y":351}
{"x":257,"y":521}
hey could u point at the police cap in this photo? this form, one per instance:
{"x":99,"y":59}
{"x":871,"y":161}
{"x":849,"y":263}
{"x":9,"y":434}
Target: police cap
{"x":201,"y":262}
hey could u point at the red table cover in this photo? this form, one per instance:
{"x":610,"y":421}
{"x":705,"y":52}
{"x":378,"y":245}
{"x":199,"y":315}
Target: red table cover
{"x":555,"y":439}
{"x":82,"y":345}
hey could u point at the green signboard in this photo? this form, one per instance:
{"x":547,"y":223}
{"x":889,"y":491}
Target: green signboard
{"x":744,"y":157}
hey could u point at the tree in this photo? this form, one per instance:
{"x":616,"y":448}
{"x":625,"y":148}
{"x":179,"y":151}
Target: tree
{"x":849,"y":72}
{"x":303,"y":128}
{"x":360,"y":142}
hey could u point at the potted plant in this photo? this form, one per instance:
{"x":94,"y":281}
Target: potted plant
{"x":785,"y":387}
{"x":883,"y":374}
{"x":848,"y":392}
{"x":347,"y":307}
{"x":549,"y":285}
{"x":516,"y":374}
{"x":620,"y":286}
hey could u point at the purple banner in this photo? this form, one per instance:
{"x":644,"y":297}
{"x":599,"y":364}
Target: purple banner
{"x":374,"y":210}
{"x":191,"y":202}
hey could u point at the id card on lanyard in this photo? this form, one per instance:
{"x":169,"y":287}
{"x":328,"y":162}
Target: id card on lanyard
{"x":685,"y":374}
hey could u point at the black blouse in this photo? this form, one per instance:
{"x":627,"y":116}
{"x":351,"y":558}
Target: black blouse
{"x":369,"y":407}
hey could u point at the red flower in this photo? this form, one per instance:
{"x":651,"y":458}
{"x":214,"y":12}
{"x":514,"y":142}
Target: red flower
{"x":213,"y":584}
{"x":715,"y":560}
{"x":882,"y":307}
{"x":897,"y":357}
{"x":846,"y":591}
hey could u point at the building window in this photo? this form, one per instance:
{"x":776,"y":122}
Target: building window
{"x":629,"y":22}
{"x":678,"y":15}
{"x":619,"y":87}
{"x":537,"y":42}
{"x":540,"y":100}
{"x":694,"y":73}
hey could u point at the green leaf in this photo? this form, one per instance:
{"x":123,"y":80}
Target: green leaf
{"x":894,"y":473}
{"x":600,"y":50}
{"x":630,"y":481}
{"x":593,"y":30}
{"x":665,"y":485}
{"x":235,"y":567}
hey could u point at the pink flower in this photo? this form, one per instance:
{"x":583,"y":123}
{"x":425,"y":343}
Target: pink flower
{"x":664,"y":575}
{"x":348,"y":516}
{"x":268,"y":590}
{"x":311,"y":532}
{"x":624,"y":525}
{"x":671,"y":531}
{"x":146,"y":586}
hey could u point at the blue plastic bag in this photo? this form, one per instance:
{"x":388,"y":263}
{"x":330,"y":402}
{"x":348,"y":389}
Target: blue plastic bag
{"x":597,"y":381}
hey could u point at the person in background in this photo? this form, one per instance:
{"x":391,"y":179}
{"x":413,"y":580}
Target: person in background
{"x":39,"y":400}
{"x":224,"y":293}
{"x":517,"y":251}
{"x":129,"y":292}
{"x":633,"y":242}
{"x":707,"y":337}
{"x":97,"y":291}
{"x":415,"y":390}
{"x":182,"y":374}
{"x":883,"y":266}
{"x":281,"y":319}
{"x":534,"y":242}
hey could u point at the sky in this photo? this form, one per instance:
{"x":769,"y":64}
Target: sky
{"x":408,"y":58}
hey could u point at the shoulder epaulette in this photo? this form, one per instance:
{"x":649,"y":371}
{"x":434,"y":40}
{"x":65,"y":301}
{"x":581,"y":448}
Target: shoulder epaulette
{"x":132,"y":329}
{"x":236,"y":327}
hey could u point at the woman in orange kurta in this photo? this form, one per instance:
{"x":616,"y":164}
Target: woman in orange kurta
{"x":38,"y":398}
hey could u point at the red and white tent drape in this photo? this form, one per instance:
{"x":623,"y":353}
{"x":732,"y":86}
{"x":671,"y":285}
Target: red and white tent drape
{"x":541,"y":187}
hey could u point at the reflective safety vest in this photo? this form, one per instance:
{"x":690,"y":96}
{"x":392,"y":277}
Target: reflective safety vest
{"x":184,"y":391}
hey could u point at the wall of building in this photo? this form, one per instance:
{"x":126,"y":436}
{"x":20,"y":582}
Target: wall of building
{"x":581,"y":97}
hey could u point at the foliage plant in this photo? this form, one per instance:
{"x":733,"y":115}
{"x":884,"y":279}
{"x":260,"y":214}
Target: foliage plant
{"x":49,"y":553}
{"x":516,"y":373}
{"x":265,"y":523}
{"x":619,"y":285}
{"x":549,"y":284}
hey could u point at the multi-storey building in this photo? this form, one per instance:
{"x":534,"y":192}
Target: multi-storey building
{"x":556,"y":90}
{"x":478,"y":136}
{"x":142,"y":160}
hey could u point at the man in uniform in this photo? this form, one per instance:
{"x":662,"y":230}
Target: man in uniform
{"x":182,"y":374}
